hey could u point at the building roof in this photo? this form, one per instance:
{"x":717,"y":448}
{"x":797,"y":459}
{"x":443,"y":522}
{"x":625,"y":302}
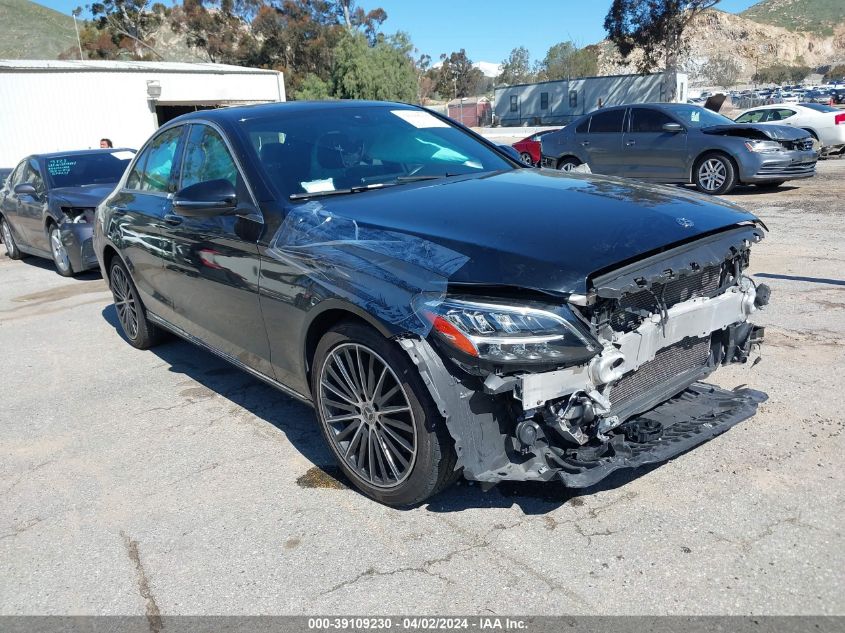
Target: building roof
{"x":468,"y":101}
{"x":87,"y":65}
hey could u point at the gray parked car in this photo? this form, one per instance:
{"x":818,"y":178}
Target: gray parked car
{"x":47,"y":205}
{"x":681,"y":143}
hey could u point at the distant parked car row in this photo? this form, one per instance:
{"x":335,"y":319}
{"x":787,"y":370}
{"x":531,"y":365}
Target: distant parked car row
{"x":47,"y":205}
{"x":682,"y":143}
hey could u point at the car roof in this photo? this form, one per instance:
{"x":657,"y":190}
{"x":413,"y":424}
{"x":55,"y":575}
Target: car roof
{"x":80,"y":152}
{"x":233,"y":114}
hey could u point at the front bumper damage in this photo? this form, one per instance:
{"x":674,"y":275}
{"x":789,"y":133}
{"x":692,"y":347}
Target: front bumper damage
{"x":78,"y":239}
{"x":493,"y":420}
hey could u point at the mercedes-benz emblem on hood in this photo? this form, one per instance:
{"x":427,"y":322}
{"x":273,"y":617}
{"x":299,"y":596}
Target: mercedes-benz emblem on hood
{"x":684,"y":222}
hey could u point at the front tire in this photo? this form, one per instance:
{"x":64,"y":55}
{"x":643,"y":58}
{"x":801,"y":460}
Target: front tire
{"x":378,"y":418}
{"x":130,"y":311}
{"x":61,"y":260}
{"x":12,"y":249}
{"x":526,"y":159}
{"x":714,"y":174}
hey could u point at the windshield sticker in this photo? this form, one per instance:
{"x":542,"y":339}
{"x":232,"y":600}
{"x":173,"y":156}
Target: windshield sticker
{"x":419,"y":118}
{"x":60,"y":166}
{"x":124,"y":155}
{"x":695,"y":117}
{"x":317,"y":186}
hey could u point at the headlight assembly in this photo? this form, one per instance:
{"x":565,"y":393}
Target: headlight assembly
{"x":763,"y":147}
{"x":504,"y":334}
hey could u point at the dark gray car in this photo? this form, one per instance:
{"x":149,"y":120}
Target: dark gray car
{"x":681,"y":143}
{"x":47,"y":205}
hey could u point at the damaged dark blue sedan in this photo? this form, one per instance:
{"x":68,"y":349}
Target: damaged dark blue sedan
{"x":447,"y":312}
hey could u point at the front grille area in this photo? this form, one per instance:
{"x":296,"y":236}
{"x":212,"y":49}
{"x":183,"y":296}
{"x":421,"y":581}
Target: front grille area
{"x":795,"y":169}
{"x":668,"y":363}
{"x":701,"y":284}
{"x":804,"y":144}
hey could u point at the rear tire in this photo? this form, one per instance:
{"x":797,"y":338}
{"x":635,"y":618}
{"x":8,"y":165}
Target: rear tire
{"x":714,"y":174}
{"x":130,"y":311}
{"x":526,"y":159}
{"x":370,"y":445}
{"x":12,"y":249}
{"x":568,"y":163}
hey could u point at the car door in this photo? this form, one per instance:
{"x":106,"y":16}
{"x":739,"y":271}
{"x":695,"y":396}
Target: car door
{"x":650,"y":152}
{"x":753,"y":116}
{"x":11,"y":203}
{"x":31,"y":207}
{"x":137,"y":212}
{"x":603,"y":143}
{"x":212,"y":277}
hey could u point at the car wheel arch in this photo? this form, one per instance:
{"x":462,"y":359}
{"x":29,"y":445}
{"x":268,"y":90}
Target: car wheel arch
{"x":707,"y":152}
{"x":328,"y":316}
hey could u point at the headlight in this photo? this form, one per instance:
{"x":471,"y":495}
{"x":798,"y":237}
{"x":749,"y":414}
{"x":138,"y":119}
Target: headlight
{"x":763,"y":147}
{"x":508,"y":334}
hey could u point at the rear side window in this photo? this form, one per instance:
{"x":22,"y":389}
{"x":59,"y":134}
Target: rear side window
{"x":152,"y":170}
{"x":646,"y":120}
{"x":607,"y":122}
{"x":207,"y":158}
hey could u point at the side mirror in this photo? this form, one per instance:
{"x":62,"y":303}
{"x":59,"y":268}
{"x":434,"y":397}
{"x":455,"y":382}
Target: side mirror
{"x":26,"y":189}
{"x":206,"y":199}
{"x":511,"y":152}
{"x":674,"y":128}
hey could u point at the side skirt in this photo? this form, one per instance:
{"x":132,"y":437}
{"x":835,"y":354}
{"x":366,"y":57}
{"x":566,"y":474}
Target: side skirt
{"x":167,"y":325}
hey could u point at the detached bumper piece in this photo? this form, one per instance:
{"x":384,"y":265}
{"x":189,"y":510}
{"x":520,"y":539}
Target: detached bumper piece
{"x":694,"y":416}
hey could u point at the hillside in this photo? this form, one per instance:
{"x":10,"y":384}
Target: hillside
{"x":752,"y":44}
{"x":813,"y":16}
{"x":32,"y":31}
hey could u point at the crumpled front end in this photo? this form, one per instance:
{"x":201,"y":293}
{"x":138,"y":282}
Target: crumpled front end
{"x":626,"y":390}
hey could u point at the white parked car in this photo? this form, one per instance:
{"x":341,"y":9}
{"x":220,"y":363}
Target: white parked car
{"x":825,"y":123}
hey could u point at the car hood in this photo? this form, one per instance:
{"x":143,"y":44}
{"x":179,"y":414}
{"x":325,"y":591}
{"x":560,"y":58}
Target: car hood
{"x":83,"y":196}
{"x":751,"y":130}
{"x":539,"y":229}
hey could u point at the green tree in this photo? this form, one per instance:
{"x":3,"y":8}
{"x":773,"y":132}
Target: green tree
{"x":381,"y":72}
{"x":654,"y":28}
{"x":516,"y":69}
{"x":565,"y":61}
{"x":129,"y":24}
{"x":835,"y":73}
{"x":312,"y":88}
{"x":457,"y":77}
{"x":723,"y":71}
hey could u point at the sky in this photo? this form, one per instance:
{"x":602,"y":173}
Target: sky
{"x":487,"y":29}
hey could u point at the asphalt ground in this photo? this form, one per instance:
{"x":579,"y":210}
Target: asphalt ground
{"x":168,"y":482}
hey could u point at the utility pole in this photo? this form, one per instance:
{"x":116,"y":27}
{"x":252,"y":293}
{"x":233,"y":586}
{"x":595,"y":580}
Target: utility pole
{"x":76,"y":28}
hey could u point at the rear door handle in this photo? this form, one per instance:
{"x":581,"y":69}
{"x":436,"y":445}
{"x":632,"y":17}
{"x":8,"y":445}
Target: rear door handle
{"x":173,"y":220}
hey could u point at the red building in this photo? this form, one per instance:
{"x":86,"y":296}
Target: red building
{"x":471,"y":111}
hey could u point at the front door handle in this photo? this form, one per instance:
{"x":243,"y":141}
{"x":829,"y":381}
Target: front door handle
{"x":173,"y":220}
{"x":629,"y":143}
{"x":585,"y":143}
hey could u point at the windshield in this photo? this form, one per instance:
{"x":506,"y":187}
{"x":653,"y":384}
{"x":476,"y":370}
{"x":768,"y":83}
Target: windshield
{"x":695,"y":116}
{"x":326,"y":150}
{"x":819,"y":107}
{"x":87,"y":169}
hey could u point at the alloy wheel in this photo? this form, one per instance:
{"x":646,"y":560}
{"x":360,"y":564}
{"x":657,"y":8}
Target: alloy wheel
{"x":60,"y":256}
{"x":712,"y":174}
{"x":8,"y":240}
{"x":124,"y":302}
{"x":368,"y":415}
{"x":568,"y":166}
{"x":526,"y":159}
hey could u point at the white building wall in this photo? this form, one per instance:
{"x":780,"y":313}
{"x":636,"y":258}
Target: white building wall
{"x":49,"y":111}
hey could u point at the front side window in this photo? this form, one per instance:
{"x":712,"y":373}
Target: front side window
{"x":514,"y":103}
{"x":152,"y":169}
{"x":207,"y":158}
{"x":646,"y":120}
{"x":780,"y":114}
{"x":608,"y":122}
{"x":17,"y":176}
{"x":752,"y":116}
{"x":34,"y":177}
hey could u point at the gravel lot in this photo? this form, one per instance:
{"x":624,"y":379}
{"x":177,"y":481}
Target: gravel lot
{"x":167,"y":481}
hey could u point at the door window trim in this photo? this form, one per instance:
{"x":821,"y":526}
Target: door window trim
{"x":142,"y":154}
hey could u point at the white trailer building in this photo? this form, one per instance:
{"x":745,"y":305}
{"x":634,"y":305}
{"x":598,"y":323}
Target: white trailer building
{"x":559,"y":102}
{"x":51,"y":106}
